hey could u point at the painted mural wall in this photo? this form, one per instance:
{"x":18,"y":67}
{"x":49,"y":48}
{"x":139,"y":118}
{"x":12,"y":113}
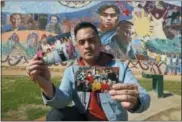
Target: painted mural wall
{"x":146,"y":34}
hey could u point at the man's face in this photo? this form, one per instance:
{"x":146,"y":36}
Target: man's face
{"x":54,"y":20}
{"x":88,"y":44}
{"x":126,"y":32}
{"x":109,"y":19}
{"x":150,"y":6}
{"x":16,"y":20}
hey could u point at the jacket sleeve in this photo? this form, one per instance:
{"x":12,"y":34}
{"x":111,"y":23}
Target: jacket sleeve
{"x":63,"y":94}
{"x":144,"y":97}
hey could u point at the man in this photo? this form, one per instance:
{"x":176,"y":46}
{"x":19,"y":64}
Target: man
{"x":127,"y":94}
{"x":109,"y":18}
{"x":174,"y":16}
{"x":54,"y":26}
{"x":168,"y":64}
{"x":15,"y":20}
{"x":121,"y":42}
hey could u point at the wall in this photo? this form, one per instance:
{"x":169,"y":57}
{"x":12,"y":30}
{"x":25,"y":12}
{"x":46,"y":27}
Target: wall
{"x":145,"y":34}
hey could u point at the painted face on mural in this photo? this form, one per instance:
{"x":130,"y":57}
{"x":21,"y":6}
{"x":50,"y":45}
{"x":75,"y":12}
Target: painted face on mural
{"x":88,"y":43}
{"x":126,"y":32}
{"x":54,"y":20}
{"x":108,"y":19}
{"x":16,"y":20}
{"x":151,"y":6}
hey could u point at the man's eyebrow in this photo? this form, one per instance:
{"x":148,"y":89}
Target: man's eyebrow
{"x":87,"y":38}
{"x":108,"y":13}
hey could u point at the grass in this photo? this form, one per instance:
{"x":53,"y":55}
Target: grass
{"x":21,"y":95}
{"x":21,"y":99}
{"x":170,"y":86}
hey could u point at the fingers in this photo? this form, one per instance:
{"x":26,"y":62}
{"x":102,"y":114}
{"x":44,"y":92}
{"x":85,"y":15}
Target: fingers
{"x":124,"y":98}
{"x":124,"y":92}
{"x":120,"y":86}
{"x":36,"y":62}
{"x":35,"y":72}
{"x":36,"y":57}
{"x":36,"y":67}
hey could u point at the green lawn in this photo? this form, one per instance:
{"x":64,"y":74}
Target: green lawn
{"x":21,"y":99}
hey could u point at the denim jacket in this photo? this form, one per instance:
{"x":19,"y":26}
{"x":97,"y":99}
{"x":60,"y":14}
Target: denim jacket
{"x":67,"y":93}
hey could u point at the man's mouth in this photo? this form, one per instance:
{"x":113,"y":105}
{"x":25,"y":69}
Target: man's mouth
{"x":108,"y":23}
{"x":88,"y":53}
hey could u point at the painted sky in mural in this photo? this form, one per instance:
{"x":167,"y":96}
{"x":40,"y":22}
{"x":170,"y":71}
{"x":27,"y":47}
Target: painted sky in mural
{"x":146,"y":30}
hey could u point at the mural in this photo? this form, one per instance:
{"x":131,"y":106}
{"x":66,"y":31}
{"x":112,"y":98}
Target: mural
{"x":144,"y":34}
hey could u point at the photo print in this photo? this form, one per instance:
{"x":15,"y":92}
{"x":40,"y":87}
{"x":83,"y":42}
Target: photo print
{"x":58,"y":49}
{"x":96,"y":79}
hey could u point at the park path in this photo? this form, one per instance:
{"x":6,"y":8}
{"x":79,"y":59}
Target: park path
{"x":166,"y":108}
{"x":59,"y":73}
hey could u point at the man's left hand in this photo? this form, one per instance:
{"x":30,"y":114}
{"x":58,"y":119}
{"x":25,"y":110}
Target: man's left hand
{"x":128,"y":94}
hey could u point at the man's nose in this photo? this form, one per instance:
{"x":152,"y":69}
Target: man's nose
{"x":17,"y":20}
{"x":87,"y":44}
{"x":109,"y":17}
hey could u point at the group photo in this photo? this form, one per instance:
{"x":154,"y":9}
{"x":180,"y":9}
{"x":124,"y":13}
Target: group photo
{"x":97,"y":79}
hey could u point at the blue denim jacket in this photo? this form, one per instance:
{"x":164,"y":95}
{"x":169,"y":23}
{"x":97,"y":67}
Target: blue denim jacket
{"x":112,"y":108}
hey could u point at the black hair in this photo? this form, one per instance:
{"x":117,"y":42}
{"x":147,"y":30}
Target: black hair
{"x":82,"y":25}
{"x":124,"y":22}
{"x":11,"y":16}
{"x":54,"y":16}
{"x":104,"y":7}
{"x":103,"y":78}
{"x":89,"y":72}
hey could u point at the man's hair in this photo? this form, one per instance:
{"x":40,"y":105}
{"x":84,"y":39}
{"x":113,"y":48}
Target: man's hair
{"x":11,"y":16}
{"x":82,"y":25}
{"x":104,"y":7}
{"x":125,"y":22}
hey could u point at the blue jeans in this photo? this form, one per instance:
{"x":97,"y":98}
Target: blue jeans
{"x":180,"y":68}
{"x":168,"y":68}
{"x":65,"y":114}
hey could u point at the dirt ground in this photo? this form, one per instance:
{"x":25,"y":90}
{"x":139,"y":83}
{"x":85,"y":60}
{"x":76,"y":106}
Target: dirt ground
{"x":59,"y":72}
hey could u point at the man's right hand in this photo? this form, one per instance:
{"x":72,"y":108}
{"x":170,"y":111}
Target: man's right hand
{"x":40,"y":74}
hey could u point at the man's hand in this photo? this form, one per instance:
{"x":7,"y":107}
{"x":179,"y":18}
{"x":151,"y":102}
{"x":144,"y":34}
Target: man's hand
{"x":126,"y":93}
{"x":40,"y":74}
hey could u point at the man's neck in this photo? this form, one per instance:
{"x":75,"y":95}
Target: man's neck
{"x":89,"y":63}
{"x":103,"y":29}
{"x":15,"y":28}
{"x":123,"y":44}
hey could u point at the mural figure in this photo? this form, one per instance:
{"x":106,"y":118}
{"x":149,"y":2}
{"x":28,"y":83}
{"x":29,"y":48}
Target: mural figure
{"x":109,"y":18}
{"x":175,"y":16}
{"x":15,"y":20}
{"x":53,"y":26}
{"x":122,"y":41}
{"x":158,"y":26}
